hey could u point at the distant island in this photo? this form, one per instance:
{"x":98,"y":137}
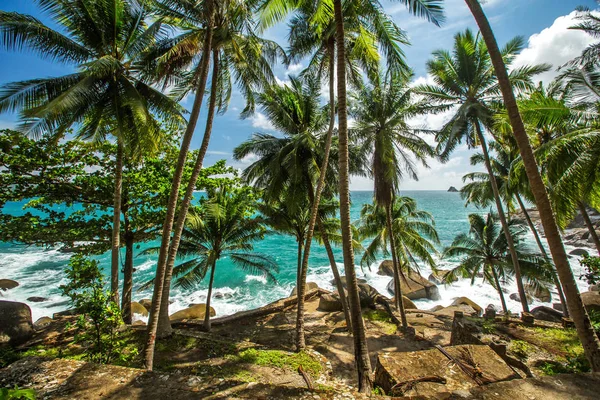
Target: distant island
{"x":453,"y":189}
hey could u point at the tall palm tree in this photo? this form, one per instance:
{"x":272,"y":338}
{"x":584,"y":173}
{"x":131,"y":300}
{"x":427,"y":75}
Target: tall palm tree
{"x":237,"y":53}
{"x":465,"y":81}
{"x":381,"y":111}
{"x":221,"y":228}
{"x":589,"y":340}
{"x":484,"y":250}
{"x":103,"y":40}
{"x":479,"y":192}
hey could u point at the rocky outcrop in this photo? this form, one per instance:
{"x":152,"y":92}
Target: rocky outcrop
{"x":386,"y":268}
{"x":330,"y":303}
{"x":37,"y":299}
{"x":41,"y":323}
{"x":591,"y":300}
{"x":415,"y":287}
{"x":309,"y":286}
{"x":467,"y":302}
{"x":547,"y":314}
{"x":15,"y":322}
{"x":540,"y":293}
{"x":452,"y":189}
{"x":139,"y":309}
{"x":6,"y":284}
{"x":431,"y":373}
{"x":439,"y":277}
{"x":196,"y":311}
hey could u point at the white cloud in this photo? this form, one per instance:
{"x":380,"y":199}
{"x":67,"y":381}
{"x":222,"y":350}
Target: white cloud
{"x":259,"y":120}
{"x":218,"y":153}
{"x":554,"y":45}
{"x":294,"y":68}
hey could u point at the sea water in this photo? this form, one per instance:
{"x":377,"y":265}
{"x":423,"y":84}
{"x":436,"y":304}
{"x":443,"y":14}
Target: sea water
{"x":39,"y":271}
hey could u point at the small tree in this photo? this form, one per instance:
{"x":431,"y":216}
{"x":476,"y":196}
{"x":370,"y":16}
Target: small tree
{"x":99,"y":316}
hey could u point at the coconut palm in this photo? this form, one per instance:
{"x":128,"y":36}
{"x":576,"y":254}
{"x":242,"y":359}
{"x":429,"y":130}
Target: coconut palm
{"x":464,"y":81}
{"x":237,"y":53}
{"x":103,"y":41}
{"x":479,"y":192}
{"x":589,"y":340}
{"x":221,"y":228}
{"x":590,"y":24}
{"x":381,"y":111}
{"x":484,"y":251}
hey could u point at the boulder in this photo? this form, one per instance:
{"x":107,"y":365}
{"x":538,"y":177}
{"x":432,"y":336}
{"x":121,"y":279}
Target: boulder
{"x":450,"y":310}
{"x":547,"y":314}
{"x":516,"y":297}
{"x":557,"y":306}
{"x":408,"y":304}
{"x":415,"y":287}
{"x":222,"y":295}
{"x":330,"y":303}
{"x":42,"y":323}
{"x":309,"y":286}
{"x":540,"y":293}
{"x":147,"y":303}
{"x":366,"y":292}
{"x":439,"y":277}
{"x":468,"y":302}
{"x":16,"y":326}
{"x":436,"y":308}
{"x":386,"y":268}
{"x":6,"y":284}
{"x":196,"y":311}
{"x":591,"y":300}
{"x":36,"y":299}
{"x":343,"y":280}
{"x":594,"y":288}
{"x":137,"y":308}
{"x":579,"y":252}
{"x":490,"y":312}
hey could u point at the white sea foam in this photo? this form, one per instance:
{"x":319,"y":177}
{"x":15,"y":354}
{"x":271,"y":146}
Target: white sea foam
{"x":255,"y":278}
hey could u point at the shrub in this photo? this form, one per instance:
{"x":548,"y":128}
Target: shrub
{"x":17,"y":394}
{"x":99,"y":316}
{"x":592,"y":269}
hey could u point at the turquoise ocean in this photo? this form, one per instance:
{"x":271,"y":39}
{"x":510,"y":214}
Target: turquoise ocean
{"x":39,"y":271}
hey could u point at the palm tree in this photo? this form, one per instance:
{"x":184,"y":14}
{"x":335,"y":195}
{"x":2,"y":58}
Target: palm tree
{"x":237,"y":53}
{"x":589,"y":23}
{"x":465,"y":81}
{"x":221,"y":228}
{"x":589,"y":340}
{"x":484,"y":250}
{"x":103,"y":41}
{"x":382,"y":110}
{"x":479,"y":192}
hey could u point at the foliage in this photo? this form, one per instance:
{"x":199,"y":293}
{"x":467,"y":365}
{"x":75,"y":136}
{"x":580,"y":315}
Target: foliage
{"x":521,"y":348}
{"x":282,"y":359}
{"x":595,"y":320}
{"x":575,"y":362}
{"x":592,"y":269}
{"x":99,"y":317}
{"x":17,"y":394}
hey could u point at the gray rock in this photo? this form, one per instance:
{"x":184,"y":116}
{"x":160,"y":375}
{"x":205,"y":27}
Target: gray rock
{"x":386,"y":268}
{"x":557,"y":306}
{"x":16,"y":326}
{"x":41,"y":323}
{"x":36,"y":299}
{"x":415,"y":287}
{"x":330,"y":303}
{"x":309,"y":286}
{"x":547,"y":314}
{"x":6,"y":284}
{"x":516,"y":297}
{"x":579,"y":252}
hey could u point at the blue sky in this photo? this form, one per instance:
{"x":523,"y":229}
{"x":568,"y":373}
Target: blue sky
{"x":543,"y":22}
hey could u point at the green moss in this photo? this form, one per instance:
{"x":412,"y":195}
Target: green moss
{"x":281,"y":359}
{"x":382,"y":320}
{"x":521,"y":349}
{"x":377,"y":391}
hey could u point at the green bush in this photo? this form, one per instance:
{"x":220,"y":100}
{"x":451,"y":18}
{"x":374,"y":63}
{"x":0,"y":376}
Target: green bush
{"x":17,"y":394}
{"x":99,"y":317}
{"x":592,"y":269}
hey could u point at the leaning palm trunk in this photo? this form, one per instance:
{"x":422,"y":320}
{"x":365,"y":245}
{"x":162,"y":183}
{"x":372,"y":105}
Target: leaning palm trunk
{"x":208,"y":296}
{"x":589,"y":225}
{"x":536,"y":235}
{"x":587,"y":335}
{"x":361,"y":351}
{"x":174,"y":195}
{"x":314,"y":212}
{"x":336,"y":275}
{"x":164,"y":324}
{"x":397,"y":283}
{"x":499,"y":289}
{"x":509,"y":239}
{"x":116,"y":228}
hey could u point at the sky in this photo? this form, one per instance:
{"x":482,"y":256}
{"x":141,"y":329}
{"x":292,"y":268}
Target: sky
{"x":544,"y":23}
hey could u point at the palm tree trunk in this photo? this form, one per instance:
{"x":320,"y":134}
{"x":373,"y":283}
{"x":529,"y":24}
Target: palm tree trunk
{"x":589,"y":225}
{"x":314,"y":212}
{"x":397,"y":283}
{"x":299,"y":262}
{"x":174,"y":195}
{"x":361,"y":351}
{"x":127,"y":275}
{"x":116,"y":228}
{"x":509,"y":239}
{"x":208,"y":296}
{"x":587,"y":335}
{"x":336,"y":274}
{"x":164,"y":324}
{"x":536,"y":235}
{"x":499,"y":289}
